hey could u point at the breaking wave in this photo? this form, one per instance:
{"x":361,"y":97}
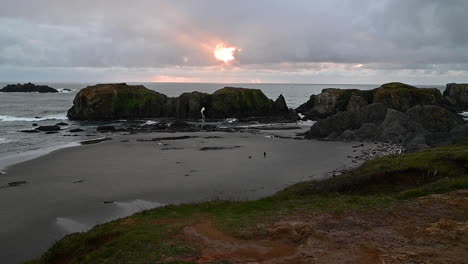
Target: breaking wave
{"x":5,"y":118}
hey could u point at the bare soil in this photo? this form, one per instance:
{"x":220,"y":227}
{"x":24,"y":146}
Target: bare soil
{"x":432,"y":229}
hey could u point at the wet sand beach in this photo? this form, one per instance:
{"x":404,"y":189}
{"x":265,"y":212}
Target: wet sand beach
{"x":72,"y":189}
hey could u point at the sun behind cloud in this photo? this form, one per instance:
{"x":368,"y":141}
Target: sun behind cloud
{"x":225,"y":54}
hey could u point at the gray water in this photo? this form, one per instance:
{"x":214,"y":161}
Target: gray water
{"x":19,"y":111}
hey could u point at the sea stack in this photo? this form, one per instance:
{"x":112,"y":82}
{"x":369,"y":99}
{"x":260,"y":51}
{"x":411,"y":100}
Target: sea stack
{"x":27,"y":88}
{"x":119,"y":101}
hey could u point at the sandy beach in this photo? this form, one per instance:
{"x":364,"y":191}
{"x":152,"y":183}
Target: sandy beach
{"x":72,"y":189}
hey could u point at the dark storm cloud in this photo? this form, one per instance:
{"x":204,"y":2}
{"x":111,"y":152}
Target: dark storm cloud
{"x":389,"y":34}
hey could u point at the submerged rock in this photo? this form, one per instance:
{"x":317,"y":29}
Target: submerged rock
{"x":16,"y":183}
{"x":103,"y":129}
{"x":29,"y":131}
{"x":179,"y":124}
{"x":27,"y":88}
{"x":48,"y":128}
{"x":61,"y":124}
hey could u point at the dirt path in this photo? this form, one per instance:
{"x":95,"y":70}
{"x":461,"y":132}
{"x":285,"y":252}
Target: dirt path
{"x":432,"y":229}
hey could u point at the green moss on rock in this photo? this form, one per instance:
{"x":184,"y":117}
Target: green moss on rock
{"x":401,"y":96}
{"x":239,"y":102}
{"x":112,"y":101}
{"x":395,"y":95}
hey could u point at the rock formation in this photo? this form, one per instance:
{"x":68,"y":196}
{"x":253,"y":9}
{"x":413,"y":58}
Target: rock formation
{"x":115,"y":101}
{"x":28,"y":88}
{"x":417,"y":128}
{"x":457,"y":95}
{"x":122,"y":101}
{"x":398,"y":96}
{"x":332,"y":101}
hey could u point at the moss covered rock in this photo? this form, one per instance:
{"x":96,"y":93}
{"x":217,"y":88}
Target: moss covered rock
{"x":395,"y":95}
{"x":239,"y":103}
{"x":332,"y":100}
{"x":457,"y":95}
{"x":114,"y":101}
{"x":401,"y":97}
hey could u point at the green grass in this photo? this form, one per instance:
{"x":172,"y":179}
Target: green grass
{"x":151,"y":236}
{"x":394,"y":173}
{"x":441,"y":186}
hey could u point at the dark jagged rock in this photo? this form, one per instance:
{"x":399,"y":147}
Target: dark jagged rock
{"x":29,"y":131}
{"x":399,"y":128}
{"x":457,"y":95}
{"x":61,"y":124}
{"x":280,"y":106}
{"x":398,"y":96}
{"x":17,"y":183}
{"x":342,"y":121}
{"x":434,"y":118}
{"x":219,"y":148}
{"x":166,"y":138}
{"x":75,"y":130}
{"x":187,"y":105}
{"x":179,"y":124}
{"x":28,"y":88}
{"x":48,"y":128}
{"x":121,"y":101}
{"x":459,"y":134}
{"x":104,"y":129}
{"x":332,"y":100}
{"x":419,"y":127}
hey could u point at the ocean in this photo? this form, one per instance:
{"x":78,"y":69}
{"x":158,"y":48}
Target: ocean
{"x":19,"y":111}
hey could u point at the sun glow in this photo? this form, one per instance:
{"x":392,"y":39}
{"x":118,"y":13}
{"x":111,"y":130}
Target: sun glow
{"x":224,"y":53}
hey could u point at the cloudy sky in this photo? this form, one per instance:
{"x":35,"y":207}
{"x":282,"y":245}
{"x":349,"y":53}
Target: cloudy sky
{"x":285,"y":41}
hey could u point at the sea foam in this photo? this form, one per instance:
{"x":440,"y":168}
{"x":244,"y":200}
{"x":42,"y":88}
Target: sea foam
{"x":5,"y":118}
{"x":71,"y":226}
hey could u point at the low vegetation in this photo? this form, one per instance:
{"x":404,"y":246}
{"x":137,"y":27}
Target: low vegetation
{"x":153,"y":236}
